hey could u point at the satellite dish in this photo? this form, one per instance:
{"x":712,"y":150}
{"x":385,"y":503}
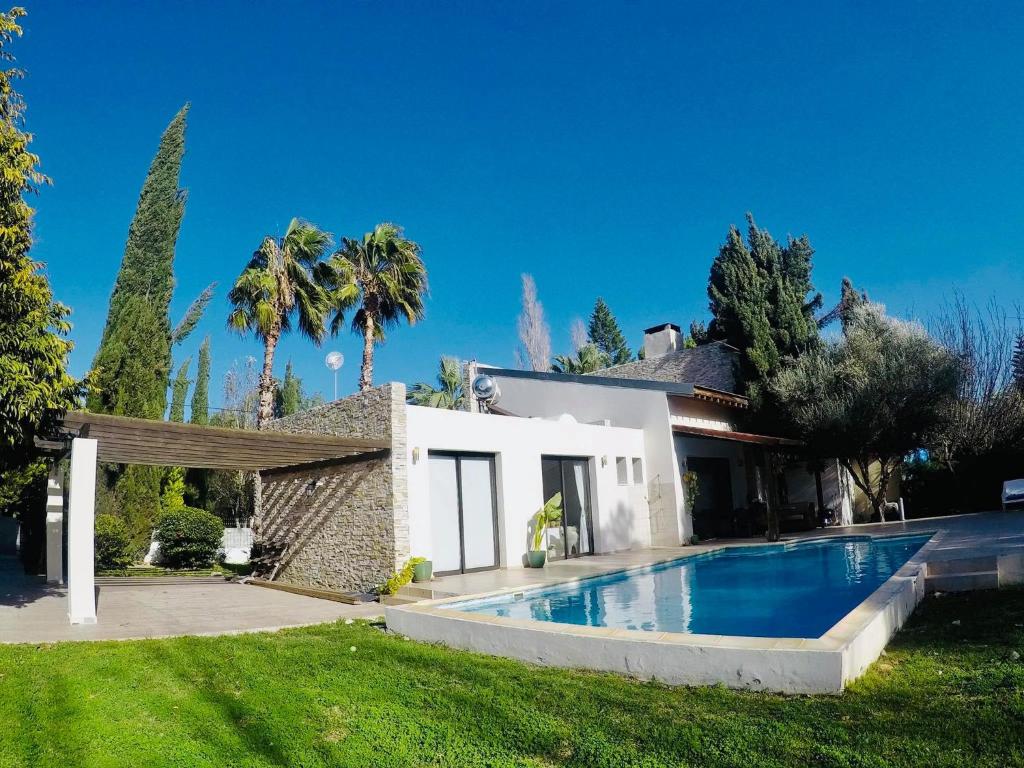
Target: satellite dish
{"x":334,"y":360}
{"x":485,"y":389}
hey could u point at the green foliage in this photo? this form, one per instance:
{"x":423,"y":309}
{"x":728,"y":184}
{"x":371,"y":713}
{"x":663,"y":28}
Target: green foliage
{"x":761,"y":302}
{"x":448,"y":394}
{"x":604,"y":333}
{"x":113,"y":544}
{"x":588,"y":359}
{"x":286,"y":281}
{"x":35,"y":387}
{"x":135,"y":498}
{"x":876,"y":394}
{"x":201,"y":392}
{"x":384,"y":275}
{"x":189,"y":537}
{"x":173,"y":494}
{"x":179,"y":391}
{"x":134,"y":358}
{"x":548,"y":515}
{"x":192,"y":315}
{"x":399,"y":579}
{"x":691,"y":485}
{"x":289,"y":393}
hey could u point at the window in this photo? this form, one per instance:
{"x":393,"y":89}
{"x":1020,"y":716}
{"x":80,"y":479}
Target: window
{"x":622,"y":470}
{"x":638,"y":472}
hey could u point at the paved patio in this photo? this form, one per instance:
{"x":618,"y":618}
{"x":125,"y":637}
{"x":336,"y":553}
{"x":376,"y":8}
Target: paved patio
{"x":33,"y":612}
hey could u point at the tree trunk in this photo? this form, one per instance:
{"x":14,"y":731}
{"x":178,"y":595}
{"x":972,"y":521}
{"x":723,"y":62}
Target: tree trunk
{"x":366,"y":372}
{"x":266,"y":407}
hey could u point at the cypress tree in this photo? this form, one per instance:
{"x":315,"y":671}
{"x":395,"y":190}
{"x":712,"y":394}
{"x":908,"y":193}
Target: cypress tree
{"x":604,"y":333}
{"x":142,"y":292}
{"x":1018,"y":361}
{"x":289,"y":393}
{"x":34,"y":383}
{"x":179,"y":391}
{"x":201,"y":391}
{"x":762,"y":302}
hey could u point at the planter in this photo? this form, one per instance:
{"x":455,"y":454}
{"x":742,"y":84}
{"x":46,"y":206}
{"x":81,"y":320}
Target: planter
{"x":537,"y":557}
{"x":422,"y":571}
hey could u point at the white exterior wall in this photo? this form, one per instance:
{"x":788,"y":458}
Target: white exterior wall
{"x":620,"y":512}
{"x":643,"y":409}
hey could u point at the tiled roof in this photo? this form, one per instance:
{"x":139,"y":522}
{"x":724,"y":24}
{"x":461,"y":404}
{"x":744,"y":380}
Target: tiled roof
{"x":710,"y":365}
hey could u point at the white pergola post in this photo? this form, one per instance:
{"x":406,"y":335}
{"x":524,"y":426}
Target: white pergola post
{"x":55,"y":527}
{"x":81,"y":514}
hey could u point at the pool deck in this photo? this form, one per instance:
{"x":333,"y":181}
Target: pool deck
{"x":790,"y":665}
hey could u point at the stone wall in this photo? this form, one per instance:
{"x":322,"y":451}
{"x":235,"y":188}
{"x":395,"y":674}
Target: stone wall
{"x":342,"y":524}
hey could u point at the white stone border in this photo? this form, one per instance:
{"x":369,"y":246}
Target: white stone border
{"x":787,"y":665}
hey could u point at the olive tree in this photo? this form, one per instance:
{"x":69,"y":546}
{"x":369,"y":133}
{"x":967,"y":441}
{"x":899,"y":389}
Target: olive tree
{"x":871,"y":396}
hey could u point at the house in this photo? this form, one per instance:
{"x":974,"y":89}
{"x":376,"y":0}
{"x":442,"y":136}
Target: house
{"x":461,"y":487}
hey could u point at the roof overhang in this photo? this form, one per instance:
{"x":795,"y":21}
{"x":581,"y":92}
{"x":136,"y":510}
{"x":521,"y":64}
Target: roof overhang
{"x":720,"y":398}
{"x":125,"y":440}
{"x":768,"y":441}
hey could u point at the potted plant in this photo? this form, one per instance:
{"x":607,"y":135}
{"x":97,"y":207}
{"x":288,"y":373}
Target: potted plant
{"x":549,"y":514}
{"x":422,"y":571}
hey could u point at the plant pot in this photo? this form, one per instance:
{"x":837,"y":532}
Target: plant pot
{"x":423,"y":571}
{"x":537,"y":557}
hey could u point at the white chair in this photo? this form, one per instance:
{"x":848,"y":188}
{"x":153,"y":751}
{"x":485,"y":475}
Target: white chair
{"x":1013,"y":492}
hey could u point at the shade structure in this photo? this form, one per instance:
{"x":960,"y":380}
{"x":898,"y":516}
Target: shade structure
{"x":125,"y":440}
{"x":769,"y":441}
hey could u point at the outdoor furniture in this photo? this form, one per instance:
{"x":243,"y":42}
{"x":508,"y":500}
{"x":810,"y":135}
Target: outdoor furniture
{"x":1013,"y":493}
{"x":801,"y":516}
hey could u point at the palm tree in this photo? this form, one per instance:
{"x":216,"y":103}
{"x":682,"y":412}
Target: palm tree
{"x":449,"y":395}
{"x":384,"y":274}
{"x":588,"y":359}
{"x":285,"y":281}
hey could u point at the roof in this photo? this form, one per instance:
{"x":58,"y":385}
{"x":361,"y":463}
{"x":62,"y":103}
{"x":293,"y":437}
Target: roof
{"x":737,"y":437}
{"x":712,"y":366}
{"x":125,"y":440}
{"x":593,"y":379}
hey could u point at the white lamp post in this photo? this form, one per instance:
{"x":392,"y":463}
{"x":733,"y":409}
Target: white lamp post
{"x":334,"y":361}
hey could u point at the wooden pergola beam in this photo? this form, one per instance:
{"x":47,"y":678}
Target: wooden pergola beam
{"x":124,"y":440}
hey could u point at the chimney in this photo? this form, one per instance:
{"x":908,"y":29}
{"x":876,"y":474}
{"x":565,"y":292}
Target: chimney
{"x":661,"y":339}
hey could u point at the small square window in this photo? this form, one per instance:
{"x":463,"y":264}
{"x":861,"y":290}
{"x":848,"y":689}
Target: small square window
{"x":638,"y":472}
{"x":622,"y":470}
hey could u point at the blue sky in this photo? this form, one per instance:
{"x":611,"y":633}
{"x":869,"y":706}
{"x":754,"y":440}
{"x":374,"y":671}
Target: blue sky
{"x":603,"y":147}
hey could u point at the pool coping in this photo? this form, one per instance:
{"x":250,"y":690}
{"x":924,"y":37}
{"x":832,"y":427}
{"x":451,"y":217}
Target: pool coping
{"x":791,"y":665}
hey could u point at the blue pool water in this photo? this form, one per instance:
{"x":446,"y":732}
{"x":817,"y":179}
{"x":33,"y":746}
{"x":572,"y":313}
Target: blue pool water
{"x":786,"y":590}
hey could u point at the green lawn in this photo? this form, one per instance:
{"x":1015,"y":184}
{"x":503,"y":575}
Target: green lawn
{"x":945,"y":695}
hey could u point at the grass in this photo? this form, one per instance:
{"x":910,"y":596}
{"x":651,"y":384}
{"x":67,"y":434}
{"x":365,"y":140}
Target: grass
{"x":946,"y":694}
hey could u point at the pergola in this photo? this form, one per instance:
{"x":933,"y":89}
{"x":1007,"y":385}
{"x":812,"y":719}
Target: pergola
{"x":93,"y":437}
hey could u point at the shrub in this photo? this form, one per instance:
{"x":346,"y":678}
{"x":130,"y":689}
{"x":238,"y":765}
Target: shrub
{"x":189,"y":537}
{"x":398,"y":580}
{"x":113,"y":544}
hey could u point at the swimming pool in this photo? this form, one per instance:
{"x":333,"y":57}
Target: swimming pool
{"x":797,"y":590}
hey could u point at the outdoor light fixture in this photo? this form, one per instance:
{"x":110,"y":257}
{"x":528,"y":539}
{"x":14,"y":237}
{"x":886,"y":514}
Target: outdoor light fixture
{"x":334,"y":361}
{"x":604,"y":461}
{"x":415,"y":455}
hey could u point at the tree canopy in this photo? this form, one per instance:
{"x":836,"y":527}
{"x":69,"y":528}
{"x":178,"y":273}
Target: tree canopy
{"x":588,"y":359}
{"x":604,"y":333}
{"x":35,"y":387}
{"x":874,"y":395}
{"x":201,"y":392}
{"x":448,"y":393}
{"x":762,"y":302}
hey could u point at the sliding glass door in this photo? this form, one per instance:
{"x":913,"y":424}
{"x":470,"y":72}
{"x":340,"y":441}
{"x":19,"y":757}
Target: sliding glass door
{"x":463,"y":511}
{"x":570,"y":477}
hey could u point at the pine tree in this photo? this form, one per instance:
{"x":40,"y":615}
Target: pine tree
{"x":144,"y":286}
{"x":35,"y":386}
{"x":762,"y":302}
{"x":1018,"y":361}
{"x":605,"y":334}
{"x":201,"y":391}
{"x":179,"y":391}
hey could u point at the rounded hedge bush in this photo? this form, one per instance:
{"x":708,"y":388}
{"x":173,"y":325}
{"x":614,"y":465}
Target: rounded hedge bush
{"x":113,"y":544}
{"x":189,"y":537}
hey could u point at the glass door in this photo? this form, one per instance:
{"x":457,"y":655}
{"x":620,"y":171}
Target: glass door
{"x":570,"y":477}
{"x":463,"y":512}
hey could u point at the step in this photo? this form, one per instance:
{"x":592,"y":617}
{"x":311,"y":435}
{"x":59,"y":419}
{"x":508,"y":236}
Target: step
{"x":156,"y":581}
{"x":398,"y":600}
{"x":962,"y":582}
{"x":979,"y":564}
